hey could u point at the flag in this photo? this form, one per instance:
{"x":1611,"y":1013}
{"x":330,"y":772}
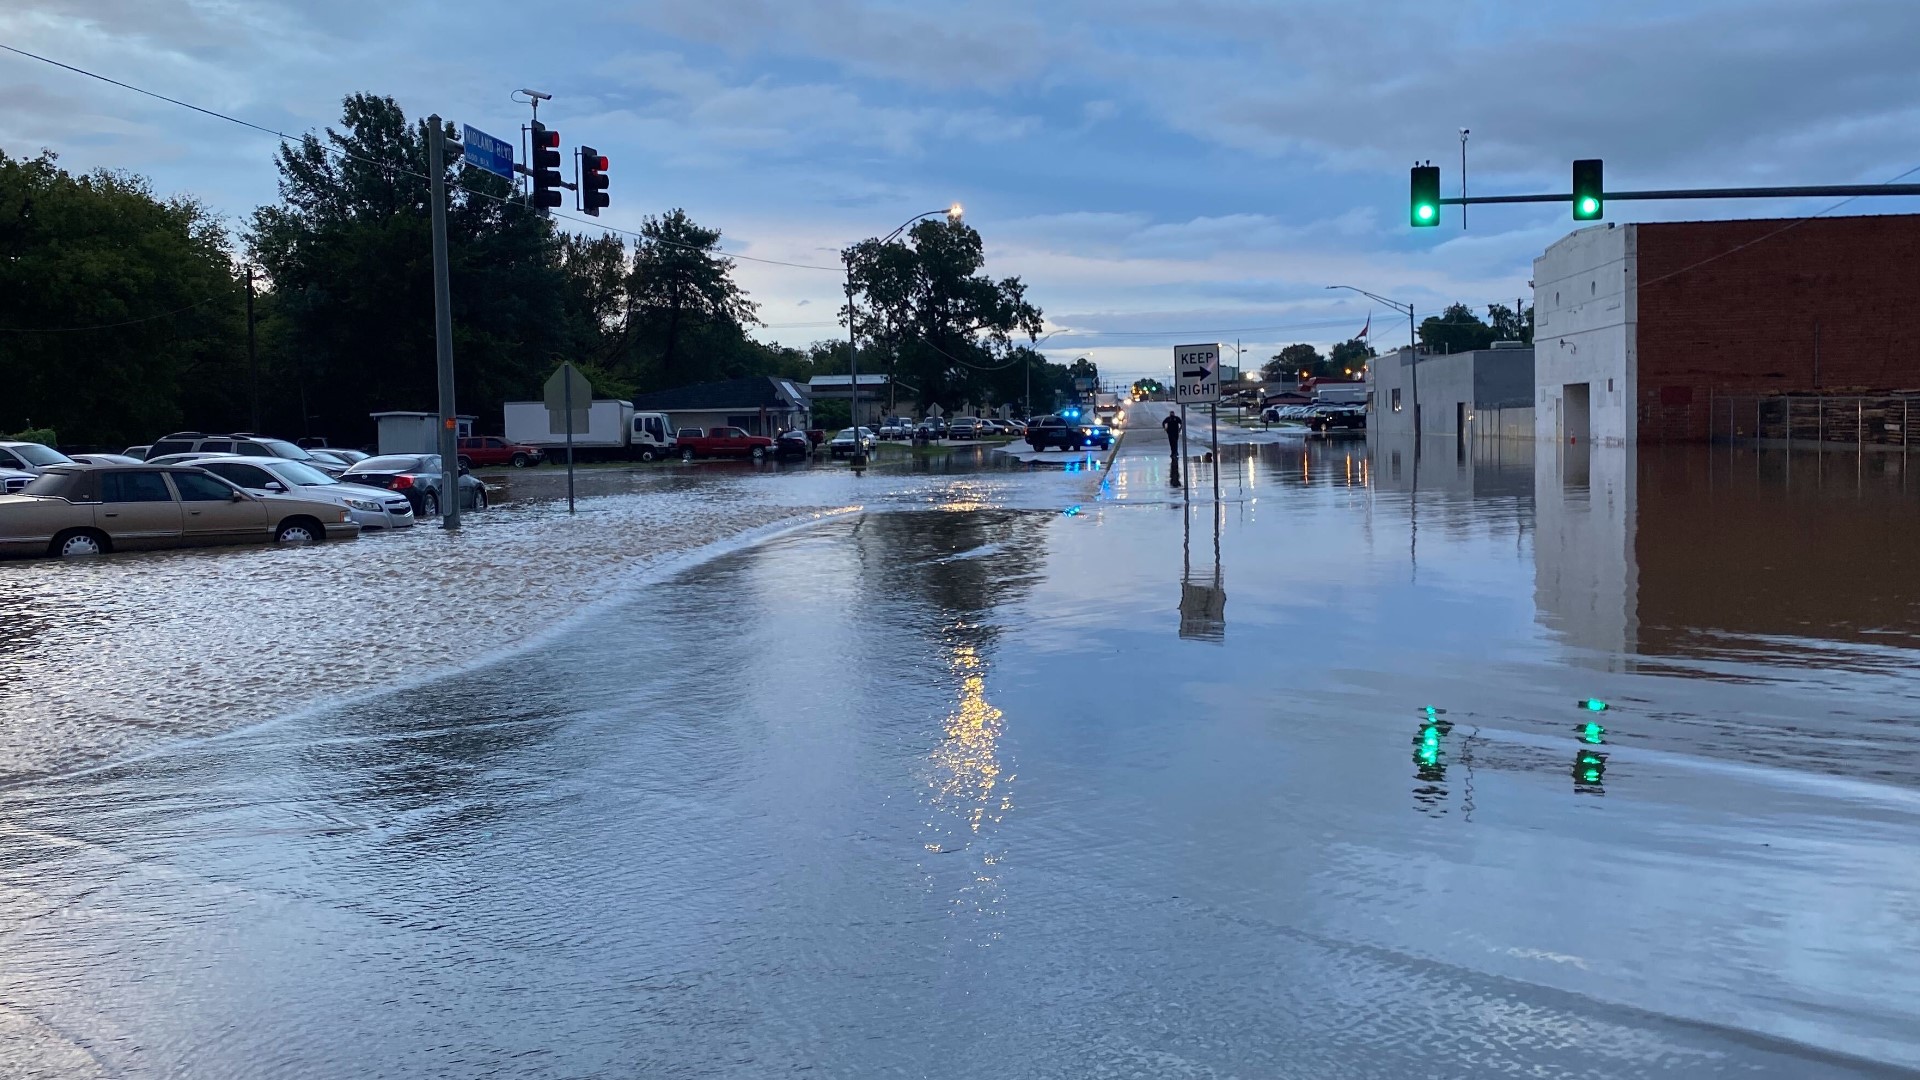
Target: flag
{"x":1366,"y":328}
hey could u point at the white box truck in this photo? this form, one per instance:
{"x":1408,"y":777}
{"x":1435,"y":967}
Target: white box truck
{"x":613,"y":431}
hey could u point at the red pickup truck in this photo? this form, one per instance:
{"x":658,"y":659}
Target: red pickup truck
{"x":494,"y":450}
{"x":722,"y":442}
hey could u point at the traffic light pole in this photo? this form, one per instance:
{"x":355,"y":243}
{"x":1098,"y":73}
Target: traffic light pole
{"x":1806,"y":191}
{"x":443,"y":326}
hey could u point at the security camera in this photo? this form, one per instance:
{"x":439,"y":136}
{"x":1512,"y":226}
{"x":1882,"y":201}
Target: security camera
{"x":537,"y":95}
{"x":1463,"y":133}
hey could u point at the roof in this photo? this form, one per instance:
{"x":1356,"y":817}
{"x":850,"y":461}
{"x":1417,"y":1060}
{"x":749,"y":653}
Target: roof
{"x":752,"y":392}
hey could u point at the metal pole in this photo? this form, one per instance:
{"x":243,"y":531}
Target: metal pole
{"x":859,"y":455}
{"x":1463,"y":179}
{"x":1183,"y":435}
{"x":567,"y":392}
{"x":443,"y":325}
{"x":253,"y":362}
{"x":1413,"y":351}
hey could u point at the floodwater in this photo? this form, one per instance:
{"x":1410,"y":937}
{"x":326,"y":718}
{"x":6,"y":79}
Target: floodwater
{"x":1045,"y":773}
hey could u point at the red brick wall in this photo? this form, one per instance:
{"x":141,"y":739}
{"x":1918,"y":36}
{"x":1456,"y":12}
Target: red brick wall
{"x":1747,"y":321}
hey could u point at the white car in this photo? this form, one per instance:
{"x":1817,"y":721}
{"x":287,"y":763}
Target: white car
{"x":12,"y":480}
{"x":367,"y":506}
{"x":849,"y":438}
{"x":30,"y":457}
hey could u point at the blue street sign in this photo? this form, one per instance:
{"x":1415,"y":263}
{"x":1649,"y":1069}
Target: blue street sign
{"x":483,"y":151}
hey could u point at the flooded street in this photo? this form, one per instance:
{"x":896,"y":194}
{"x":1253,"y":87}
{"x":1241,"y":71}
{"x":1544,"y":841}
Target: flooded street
{"x":1016,"y":771}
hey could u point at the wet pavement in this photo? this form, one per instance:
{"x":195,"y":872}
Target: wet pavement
{"x":1035,"y":772}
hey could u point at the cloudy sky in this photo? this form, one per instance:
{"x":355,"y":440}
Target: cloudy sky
{"x":1158,"y":171}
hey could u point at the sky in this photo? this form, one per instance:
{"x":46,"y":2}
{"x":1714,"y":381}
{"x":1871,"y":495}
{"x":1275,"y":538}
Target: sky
{"x":1158,"y":172}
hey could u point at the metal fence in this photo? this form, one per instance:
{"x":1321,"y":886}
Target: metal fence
{"x":1882,"y":421}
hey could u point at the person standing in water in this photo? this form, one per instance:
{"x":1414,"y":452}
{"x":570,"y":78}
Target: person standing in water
{"x":1172,"y":425}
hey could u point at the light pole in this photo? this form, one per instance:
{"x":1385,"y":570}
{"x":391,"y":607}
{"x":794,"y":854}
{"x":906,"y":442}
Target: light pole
{"x":1413,"y":350}
{"x":853,"y":340}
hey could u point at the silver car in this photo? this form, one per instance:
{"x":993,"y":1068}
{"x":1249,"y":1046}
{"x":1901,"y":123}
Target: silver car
{"x":12,"y":480}
{"x":368,"y":507}
{"x":30,"y":457}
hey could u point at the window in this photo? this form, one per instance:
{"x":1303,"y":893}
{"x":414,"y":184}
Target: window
{"x":169,"y":446}
{"x":35,"y":454}
{"x":1396,"y":399}
{"x":1609,"y":386}
{"x":9,"y":460}
{"x":688,"y":433}
{"x":133,"y":487}
{"x":198,"y":487}
{"x":495,"y":444}
{"x":250,"y":476}
{"x":219,"y":446}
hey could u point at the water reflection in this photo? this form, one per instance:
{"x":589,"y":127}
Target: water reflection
{"x":1203,"y":594}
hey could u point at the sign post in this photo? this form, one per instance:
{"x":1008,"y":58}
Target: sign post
{"x":1196,"y":381}
{"x":569,"y":404}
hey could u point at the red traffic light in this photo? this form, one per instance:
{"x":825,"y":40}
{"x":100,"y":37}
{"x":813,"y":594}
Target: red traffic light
{"x":600,"y":163}
{"x":544,"y":137}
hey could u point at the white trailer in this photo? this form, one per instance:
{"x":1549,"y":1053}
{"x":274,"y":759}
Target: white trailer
{"x":613,"y":430}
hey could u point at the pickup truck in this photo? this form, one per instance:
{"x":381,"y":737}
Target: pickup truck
{"x":722,"y":442}
{"x":493,"y":450}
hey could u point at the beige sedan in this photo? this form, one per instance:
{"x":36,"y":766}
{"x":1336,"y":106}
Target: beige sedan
{"x":76,"y":510}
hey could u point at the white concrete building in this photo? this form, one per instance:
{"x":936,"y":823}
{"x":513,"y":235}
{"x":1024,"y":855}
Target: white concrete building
{"x":1585,"y":300}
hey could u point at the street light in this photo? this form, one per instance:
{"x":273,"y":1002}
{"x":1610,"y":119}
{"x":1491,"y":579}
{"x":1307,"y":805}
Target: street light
{"x":1413,"y":347}
{"x":952,"y":214}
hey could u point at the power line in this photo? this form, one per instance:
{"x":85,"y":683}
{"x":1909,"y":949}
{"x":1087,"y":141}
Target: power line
{"x":334,"y":150}
{"x":103,"y":326}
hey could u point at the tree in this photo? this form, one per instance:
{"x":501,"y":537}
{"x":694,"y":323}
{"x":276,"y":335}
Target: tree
{"x":1294,"y":361}
{"x":1509,"y":325}
{"x":123,"y":317}
{"x":348,"y":253}
{"x":681,"y":287}
{"x":1457,"y":329}
{"x":1350,"y":355}
{"x":926,"y":300}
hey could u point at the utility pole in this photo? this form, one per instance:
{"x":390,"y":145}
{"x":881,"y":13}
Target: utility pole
{"x":1463,"y":179}
{"x":253,"y":362}
{"x":443,"y":326}
{"x":859,"y":455}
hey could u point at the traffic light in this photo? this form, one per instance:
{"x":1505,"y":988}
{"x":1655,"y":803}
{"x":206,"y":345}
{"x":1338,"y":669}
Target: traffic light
{"x":593,"y":181}
{"x":1589,"y":194}
{"x":546,"y":166}
{"x":1592,"y":732}
{"x":1589,"y":770}
{"x":1425,"y":210}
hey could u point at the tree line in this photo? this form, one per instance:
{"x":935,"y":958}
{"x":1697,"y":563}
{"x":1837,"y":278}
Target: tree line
{"x":1457,"y":329}
{"x":127,"y":312}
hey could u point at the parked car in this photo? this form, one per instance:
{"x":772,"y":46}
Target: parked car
{"x":494,"y":450}
{"x":73,"y":510}
{"x":245,"y":443}
{"x":989,"y":426}
{"x":30,"y":456}
{"x":1061,"y":433}
{"x":963,"y":427}
{"x":1017,"y":428}
{"x":1338,"y":418}
{"x":416,"y":476}
{"x":933,"y":427}
{"x":105,"y":459}
{"x":348,"y":458}
{"x":894,"y":429}
{"x":12,"y":480}
{"x":187,"y":458}
{"x":850,"y":440}
{"x":369,"y":507}
{"x":792,"y":446}
{"x":722,"y":442}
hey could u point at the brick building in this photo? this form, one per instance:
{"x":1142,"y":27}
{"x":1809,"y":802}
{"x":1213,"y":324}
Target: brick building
{"x":1641,"y":326}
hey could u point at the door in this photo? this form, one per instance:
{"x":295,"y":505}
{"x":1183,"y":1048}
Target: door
{"x":137,"y":509}
{"x":209,"y":514}
{"x":1577,"y":417}
{"x":1460,"y":426}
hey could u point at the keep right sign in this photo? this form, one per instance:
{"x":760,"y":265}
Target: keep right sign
{"x":1196,"y":373}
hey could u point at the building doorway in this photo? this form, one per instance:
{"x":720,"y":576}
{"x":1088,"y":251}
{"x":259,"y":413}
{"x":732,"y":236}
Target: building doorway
{"x":1576,"y":416}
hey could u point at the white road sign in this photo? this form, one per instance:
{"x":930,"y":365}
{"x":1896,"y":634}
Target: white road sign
{"x":567,"y":388}
{"x":1196,"y":373}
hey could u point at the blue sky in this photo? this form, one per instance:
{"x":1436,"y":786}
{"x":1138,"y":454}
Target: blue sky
{"x":1157,"y":172}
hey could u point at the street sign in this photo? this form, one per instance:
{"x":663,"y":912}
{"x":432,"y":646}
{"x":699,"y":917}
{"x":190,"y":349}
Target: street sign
{"x":568,"y":389}
{"x":1196,"y":373}
{"x":483,"y":151}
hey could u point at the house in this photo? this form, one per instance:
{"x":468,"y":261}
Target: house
{"x":760,"y":404}
{"x":875,"y":391}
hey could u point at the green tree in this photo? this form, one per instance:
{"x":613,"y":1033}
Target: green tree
{"x":681,"y":292}
{"x":1509,"y":325}
{"x":927,"y":300}
{"x":123,"y":316}
{"x":1351,"y":355}
{"x":1294,"y":361}
{"x":348,"y":252}
{"x":1457,"y":329}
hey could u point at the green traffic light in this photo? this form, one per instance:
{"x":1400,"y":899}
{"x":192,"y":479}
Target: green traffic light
{"x":1426,"y":212}
{"x":1589,"y":206}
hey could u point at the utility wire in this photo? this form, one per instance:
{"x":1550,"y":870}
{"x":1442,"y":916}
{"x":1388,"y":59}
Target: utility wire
{"x":103,"y":326}
{"x":389,"y":166}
